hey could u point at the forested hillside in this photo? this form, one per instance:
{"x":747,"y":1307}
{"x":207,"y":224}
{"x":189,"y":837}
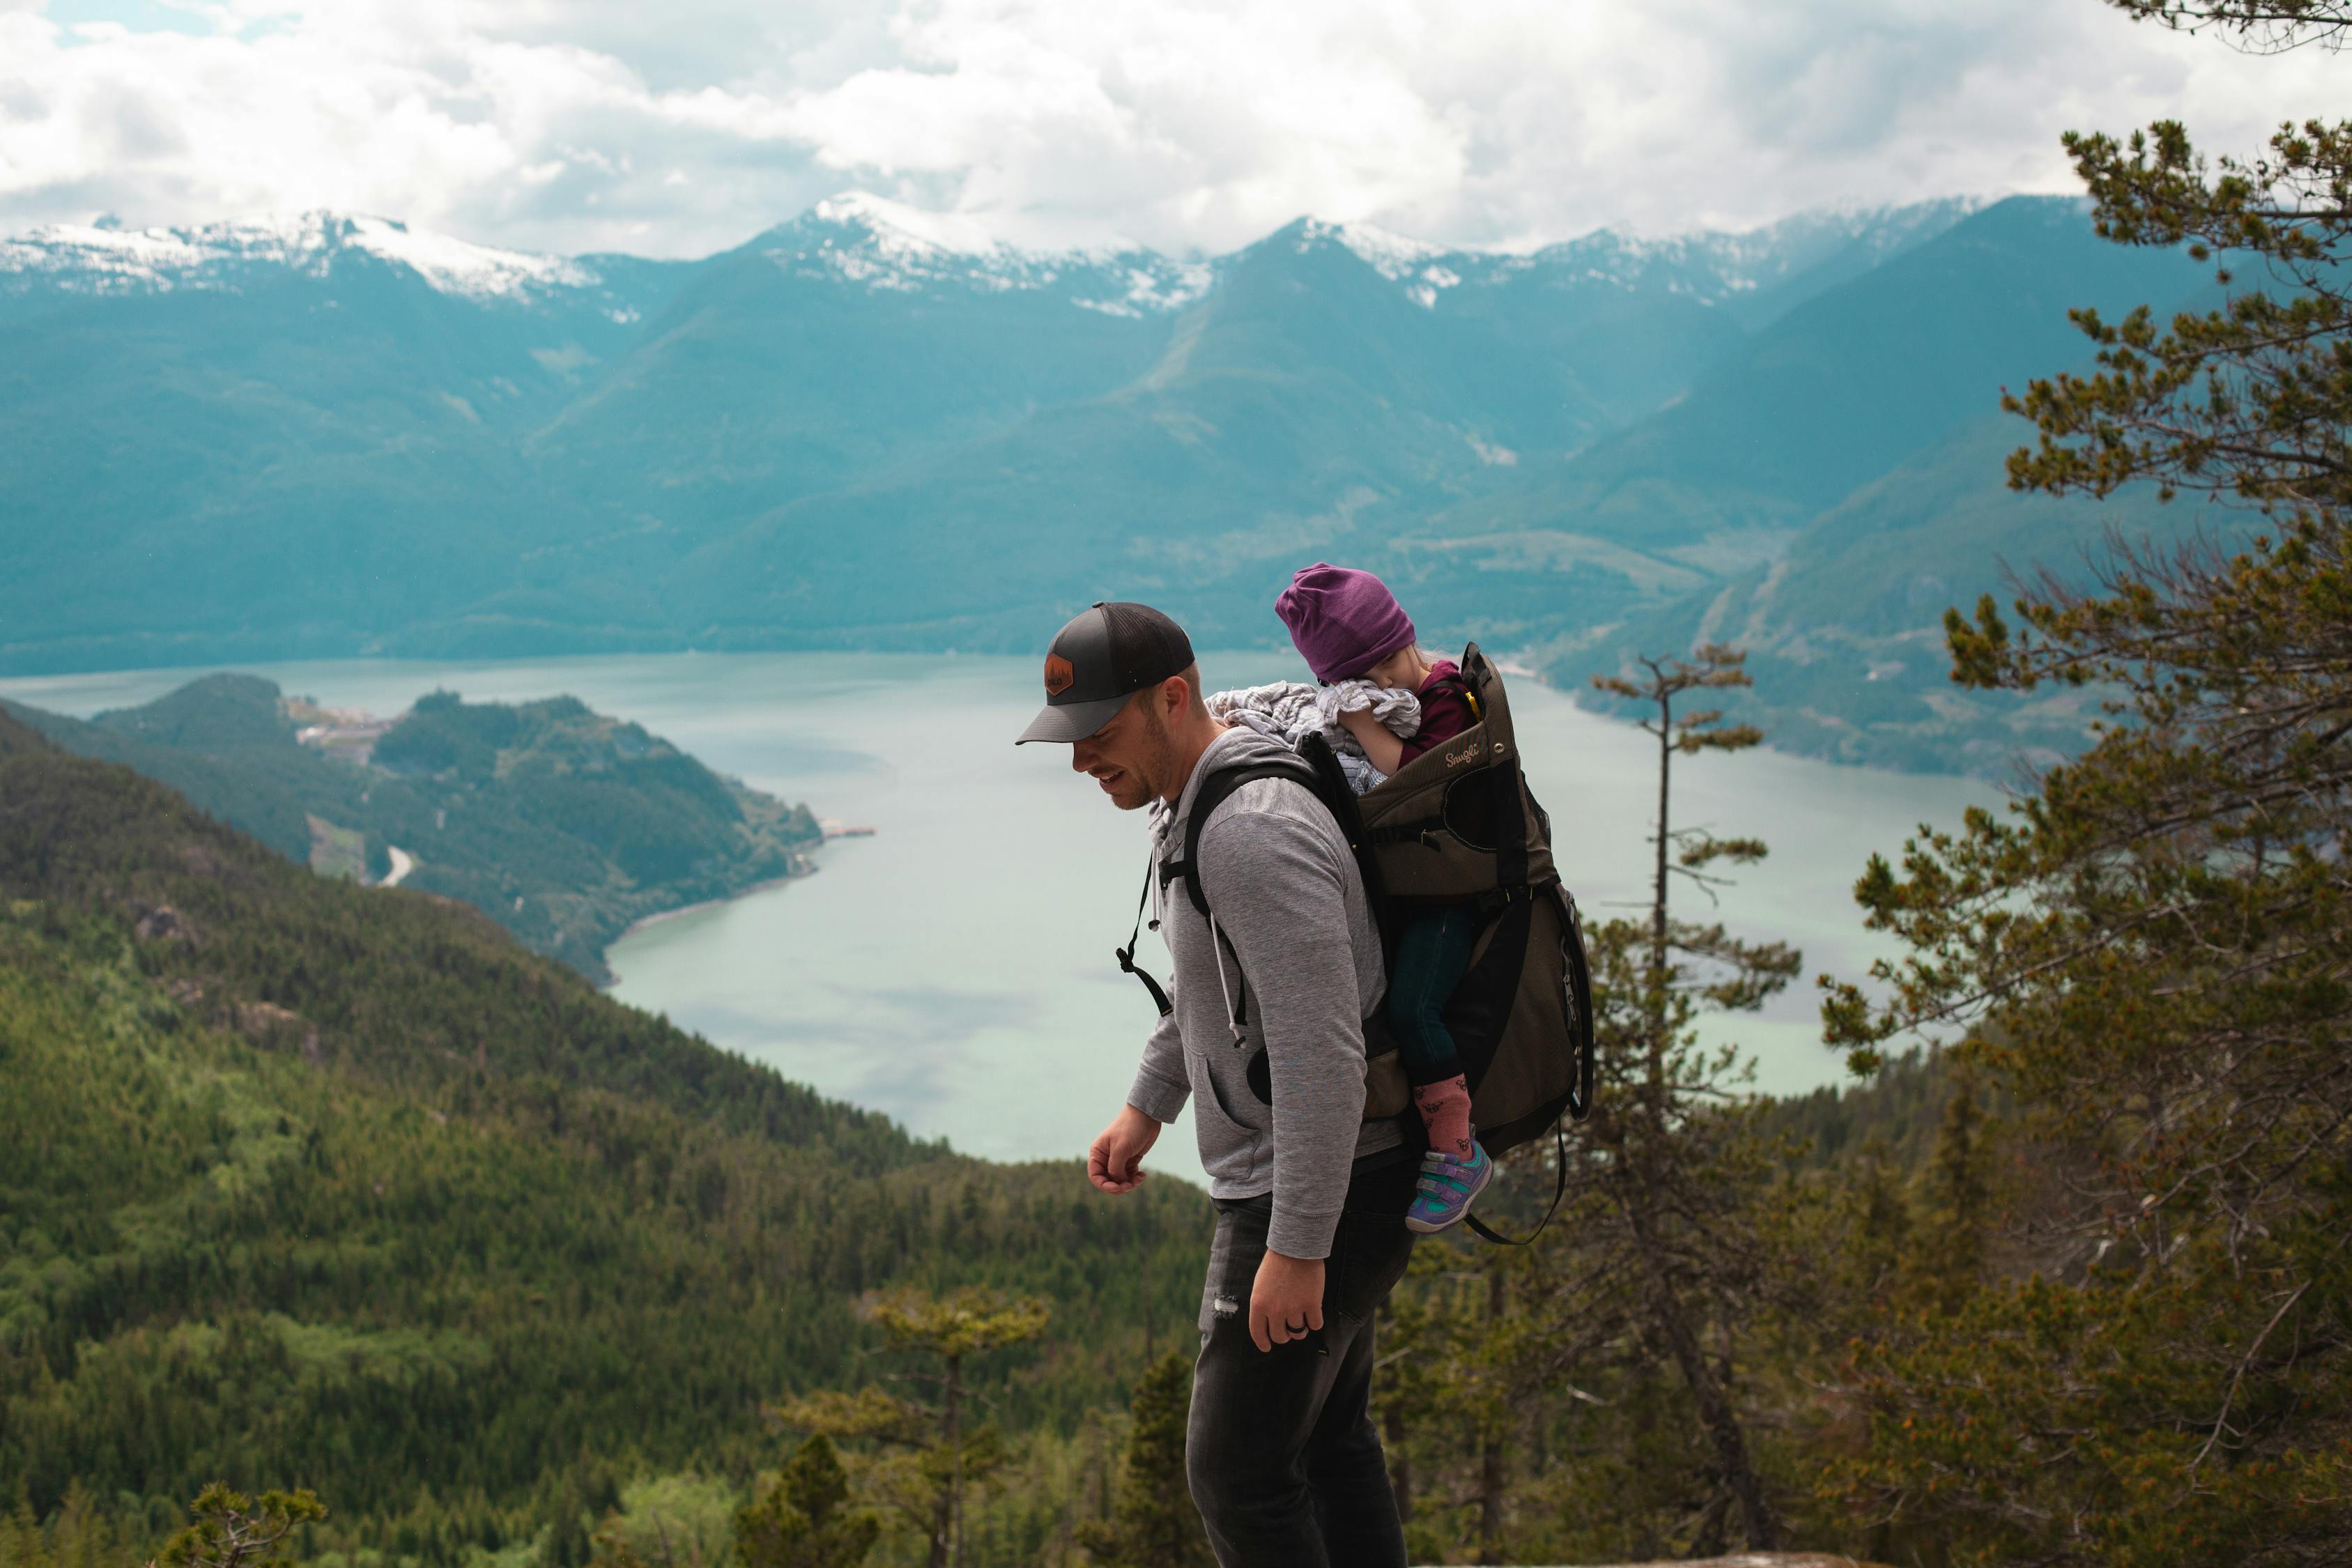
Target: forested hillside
{"x":307,"y":1182}
{"x":562,"y":824}
{"x":304,"y":1183}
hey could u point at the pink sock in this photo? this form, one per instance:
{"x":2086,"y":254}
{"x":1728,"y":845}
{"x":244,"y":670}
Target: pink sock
{"x":1445,"y":1108}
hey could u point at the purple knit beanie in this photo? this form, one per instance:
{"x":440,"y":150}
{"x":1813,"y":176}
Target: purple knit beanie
{"x":1342,"y":620}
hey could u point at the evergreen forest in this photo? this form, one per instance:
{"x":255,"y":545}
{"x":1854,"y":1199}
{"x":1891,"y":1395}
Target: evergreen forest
{"x":342,"y":1186}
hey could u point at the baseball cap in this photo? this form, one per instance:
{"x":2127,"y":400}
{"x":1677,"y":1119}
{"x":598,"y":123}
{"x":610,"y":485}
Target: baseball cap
{"x":1104,"y":655}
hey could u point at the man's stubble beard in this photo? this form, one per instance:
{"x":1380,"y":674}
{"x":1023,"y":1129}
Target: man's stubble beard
{"x":1156,"y":778}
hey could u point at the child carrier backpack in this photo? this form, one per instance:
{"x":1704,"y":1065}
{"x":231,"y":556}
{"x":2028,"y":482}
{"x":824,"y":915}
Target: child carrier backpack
{"x":1454,"y":826}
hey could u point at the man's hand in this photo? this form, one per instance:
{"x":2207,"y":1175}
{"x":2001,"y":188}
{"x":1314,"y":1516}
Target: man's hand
{"x":1115,"y":1162}
{"x":1286,"y":1302}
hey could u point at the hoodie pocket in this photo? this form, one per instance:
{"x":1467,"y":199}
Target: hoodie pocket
{"x":1245,"y":1117}
{"x":1233,"y":1104}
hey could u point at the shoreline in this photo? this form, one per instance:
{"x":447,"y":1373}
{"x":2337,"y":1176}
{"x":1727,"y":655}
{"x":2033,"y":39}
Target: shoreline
{"x":660,"y":915}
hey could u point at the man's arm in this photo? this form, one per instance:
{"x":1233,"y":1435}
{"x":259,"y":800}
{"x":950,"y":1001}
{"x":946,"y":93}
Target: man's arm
{"x":1114,"y":1160}
{"x":1161,"y":1084}
{"x":1280,"y":896}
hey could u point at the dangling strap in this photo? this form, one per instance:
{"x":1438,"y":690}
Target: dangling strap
{"x":1127,"y":954}
{"x":1558,"y":1190}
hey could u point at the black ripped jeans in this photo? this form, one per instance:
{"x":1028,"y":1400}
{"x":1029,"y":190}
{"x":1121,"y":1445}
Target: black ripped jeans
{"x":1285,"y":1462}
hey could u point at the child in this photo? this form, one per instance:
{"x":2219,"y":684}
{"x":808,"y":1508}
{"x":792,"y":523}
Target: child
{"x":1347,"y":625}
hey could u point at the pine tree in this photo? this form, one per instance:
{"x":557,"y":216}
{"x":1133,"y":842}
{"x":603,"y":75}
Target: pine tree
{"x":1155,"y":1524}
{"x":1958,"y":1192}
{"x":231,"y":1530}
{"x":941,"y":1456}
{"x":569,"y":1544}
{"x":2156,"y":945}
{"x":1677,"y":1170}
{"x":799,"y":1518}
{"x":1590,"y":1396}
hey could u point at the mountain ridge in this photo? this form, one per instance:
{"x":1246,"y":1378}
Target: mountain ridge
{"x":870,"y":426}
{"x":117,"y":260}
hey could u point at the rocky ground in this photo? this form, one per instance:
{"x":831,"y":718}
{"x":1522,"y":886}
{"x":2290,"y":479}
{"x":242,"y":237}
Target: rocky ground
{"x":1758,"y":1559}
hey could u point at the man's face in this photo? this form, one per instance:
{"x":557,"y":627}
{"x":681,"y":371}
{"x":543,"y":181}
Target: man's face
{"x":1131,"y":756}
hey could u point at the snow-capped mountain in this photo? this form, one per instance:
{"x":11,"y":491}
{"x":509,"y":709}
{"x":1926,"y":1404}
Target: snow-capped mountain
{"x":577,"y":308}
{"x":335,"y":434}
{"x":1421,"y":269}
{"x":106,"y":260}
{"x":1760,"y":272}
{"x":884,"y":246}
{"x":1739,"y":271}
{"x":872,"y":244}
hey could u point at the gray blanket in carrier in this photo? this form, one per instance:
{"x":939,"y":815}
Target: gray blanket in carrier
{"x":1286,"y":709}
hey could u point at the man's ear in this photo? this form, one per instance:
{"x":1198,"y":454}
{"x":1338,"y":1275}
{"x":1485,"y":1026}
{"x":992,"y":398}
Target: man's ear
{"x":1175,"y":697}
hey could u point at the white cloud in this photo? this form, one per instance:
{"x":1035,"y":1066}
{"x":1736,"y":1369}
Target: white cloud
{"x":681,"y":128}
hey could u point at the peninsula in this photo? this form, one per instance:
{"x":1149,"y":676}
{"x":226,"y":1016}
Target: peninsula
{"x":563,"y":825}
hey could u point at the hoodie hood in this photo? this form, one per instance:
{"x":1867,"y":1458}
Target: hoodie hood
{"x":1239,"y":747}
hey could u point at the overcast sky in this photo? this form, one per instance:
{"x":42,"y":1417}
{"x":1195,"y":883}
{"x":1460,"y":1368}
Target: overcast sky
{"x":680,"y":127}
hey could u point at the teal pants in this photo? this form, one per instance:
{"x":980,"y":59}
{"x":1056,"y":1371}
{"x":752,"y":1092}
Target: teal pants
{"x":1431,"y":956}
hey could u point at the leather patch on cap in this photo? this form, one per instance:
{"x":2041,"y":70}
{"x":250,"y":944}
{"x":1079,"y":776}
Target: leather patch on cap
{"x":1059,"y":675}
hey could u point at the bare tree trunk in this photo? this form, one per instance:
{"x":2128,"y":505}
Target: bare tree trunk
{"x":1099,"y":1453}
{"x":1646,"y":1144}
{"x":1490,"y":1501}
{"x":1714,"y":1411}
{"x":1646,"y":1544}
{"x":1655,"y":1077}
{"x":947,"y":1509}
{"x":1708,"y":1541}
{"x":1400,"y":1462}
{"x":1392,"y":1437}
{"x":943,"y":1512}
{"x":1658,"y":890}
{"x":1490,"y":1457}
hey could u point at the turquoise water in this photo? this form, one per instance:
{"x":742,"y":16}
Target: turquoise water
{"x":955,"y":969}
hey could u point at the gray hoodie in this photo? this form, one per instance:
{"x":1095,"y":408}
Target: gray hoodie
{"x":1285,"y":891}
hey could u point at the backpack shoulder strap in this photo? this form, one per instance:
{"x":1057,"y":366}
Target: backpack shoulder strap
{"x":1317,"y":769}
{"x":1459,"y":684}
{"x":1211,"y":794}
{"x":1215,"y":790}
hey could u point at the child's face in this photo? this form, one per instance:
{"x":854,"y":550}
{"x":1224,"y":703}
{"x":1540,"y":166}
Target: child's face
{"x":1402,"y":668}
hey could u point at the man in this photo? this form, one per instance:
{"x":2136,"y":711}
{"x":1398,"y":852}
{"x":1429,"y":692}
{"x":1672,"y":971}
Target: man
{"x":1283,"y":1458}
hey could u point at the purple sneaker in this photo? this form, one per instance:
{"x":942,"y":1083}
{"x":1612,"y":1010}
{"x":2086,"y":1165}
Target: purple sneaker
{"x":1448,"y":1186}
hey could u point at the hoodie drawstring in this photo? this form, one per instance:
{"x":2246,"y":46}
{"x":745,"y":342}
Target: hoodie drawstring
{"x":1163,"y":820}
{"x":1217,"y":954}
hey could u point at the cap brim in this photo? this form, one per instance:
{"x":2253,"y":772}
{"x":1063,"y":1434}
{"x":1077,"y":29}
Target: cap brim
{"x":1069,"y":721}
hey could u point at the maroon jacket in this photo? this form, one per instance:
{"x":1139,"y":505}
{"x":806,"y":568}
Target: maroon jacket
{"x":1446,"y":709}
